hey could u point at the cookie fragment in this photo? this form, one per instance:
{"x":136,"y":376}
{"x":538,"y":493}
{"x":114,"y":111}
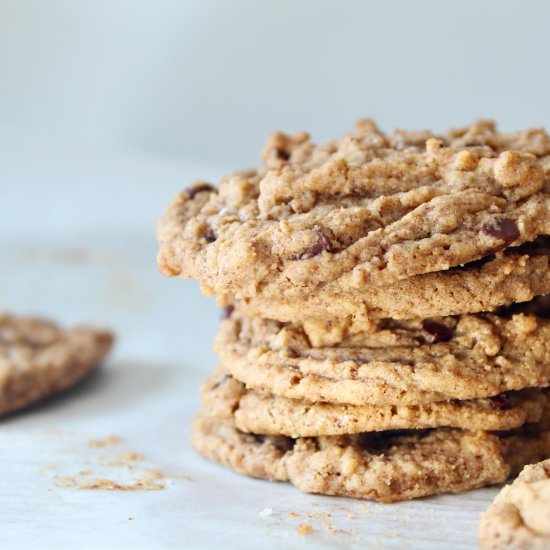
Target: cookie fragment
{"x":38,"y":359}
{"x":519,"y":516}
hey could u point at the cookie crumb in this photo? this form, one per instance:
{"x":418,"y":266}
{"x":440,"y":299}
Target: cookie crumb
{"x":153,"y":474}
{"x":66,"y":482}
{"x":318,"y":515}
{"x":265,"y":512}
{"x":85,"y":472}
{"x":294,"y":514}
{"x":105,"y":442}
{"x":140,"y":484}
{"x":304,"y":529}
{"x":127,"y":457}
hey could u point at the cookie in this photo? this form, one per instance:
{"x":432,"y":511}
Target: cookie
{"x":385,"y":467}
{"x":515,"y":276}
{"x":362,"y":212}
{"x":38,"y":359}
{"x":519,"y":517}
{"x":254,"y":412}
{"x":396,"y":362}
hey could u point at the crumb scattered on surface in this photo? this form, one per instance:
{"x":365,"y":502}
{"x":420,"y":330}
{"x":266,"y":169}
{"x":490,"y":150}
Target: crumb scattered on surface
{"x":65,"y":481}
{"x":145,"y":483}
{"x":140,"y":484}
{"x":113,"y":470}
{"x":304,"y":529}
{"x":126,"y":457}
{"x":105,"y":442}
{"x":265,"y":512}
{"x":294,"y":514}
{"x":186,"y":477}
{"x":154,"y":474}
{"x":319,"y":515}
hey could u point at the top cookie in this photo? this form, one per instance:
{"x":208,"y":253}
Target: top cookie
{"x":362,"y":211}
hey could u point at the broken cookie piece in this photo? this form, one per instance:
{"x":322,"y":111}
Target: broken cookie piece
{"x":38,"y":359}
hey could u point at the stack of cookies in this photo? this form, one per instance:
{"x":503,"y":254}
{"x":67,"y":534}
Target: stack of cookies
{"x":384,"y":334}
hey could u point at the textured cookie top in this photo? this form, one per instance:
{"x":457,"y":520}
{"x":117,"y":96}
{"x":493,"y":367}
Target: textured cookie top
{"x":362,"y":210}
{"x":37,"y":358}
{"x":405,"y":362}
{"x":520,"y":514}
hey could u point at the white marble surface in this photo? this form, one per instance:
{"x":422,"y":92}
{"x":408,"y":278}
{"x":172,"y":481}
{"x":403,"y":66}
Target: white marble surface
{"x":77,"y":247}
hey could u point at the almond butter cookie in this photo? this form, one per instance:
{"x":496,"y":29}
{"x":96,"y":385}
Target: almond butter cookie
{"x":38,"y":359}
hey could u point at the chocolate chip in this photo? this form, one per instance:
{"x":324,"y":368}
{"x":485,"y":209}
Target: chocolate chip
{"x":501,"y":228}
{"x":210,"y":236}
{"x":226,"y":312}
{"x":501,"y":402}
{"x":199,"y":188}
{"x":323,"y":243}
{"x":281,"y":153}
{"x":436,"y":332}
